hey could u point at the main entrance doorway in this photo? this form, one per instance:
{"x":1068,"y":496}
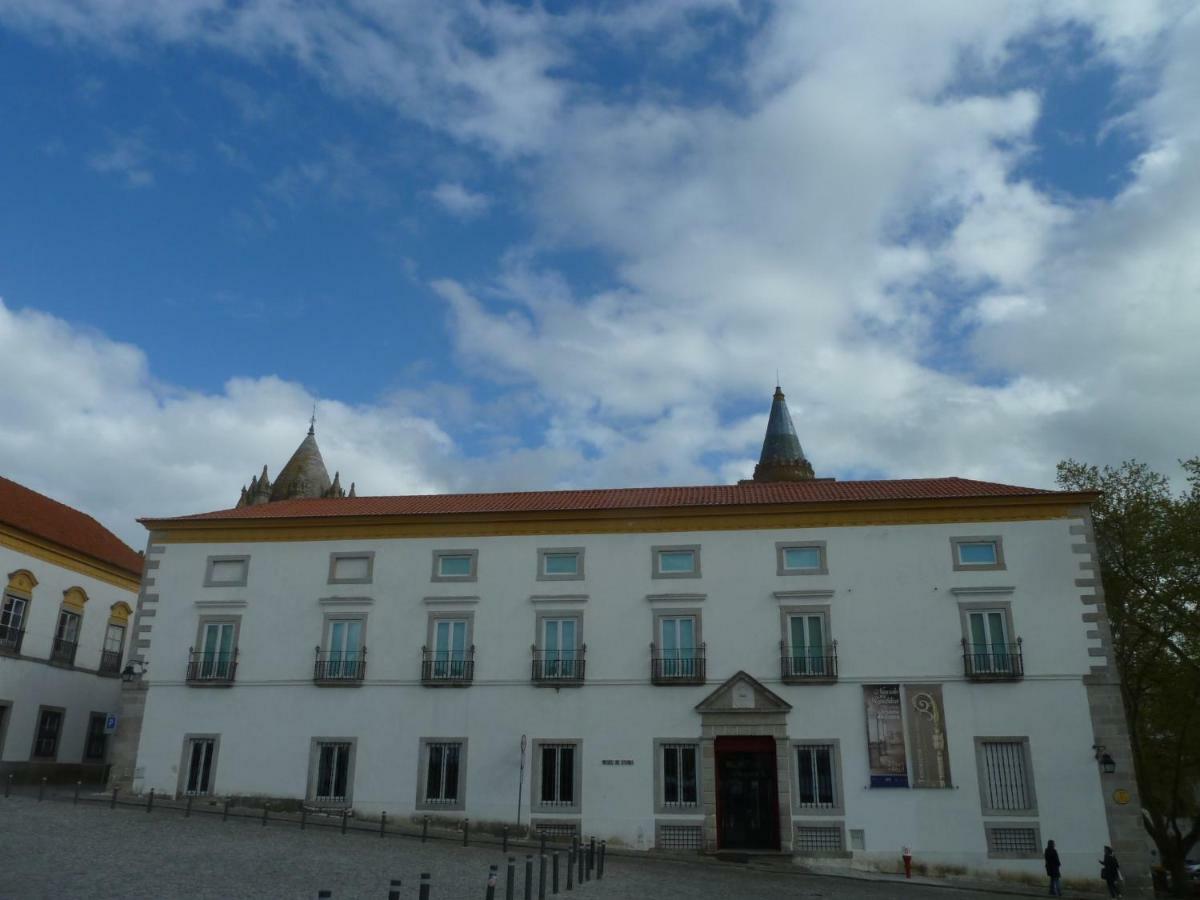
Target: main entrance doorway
{"x":747,"y":793}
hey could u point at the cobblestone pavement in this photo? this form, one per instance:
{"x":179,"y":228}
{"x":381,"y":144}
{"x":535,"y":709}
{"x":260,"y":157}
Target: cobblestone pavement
{"x":56,"y":850}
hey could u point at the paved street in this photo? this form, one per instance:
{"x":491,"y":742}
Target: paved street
{"x":56,"y":850}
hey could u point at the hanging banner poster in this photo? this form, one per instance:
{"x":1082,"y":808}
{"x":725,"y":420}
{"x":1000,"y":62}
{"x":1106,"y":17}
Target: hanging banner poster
{"x":885,"y":735}
{"x":927,"y":735}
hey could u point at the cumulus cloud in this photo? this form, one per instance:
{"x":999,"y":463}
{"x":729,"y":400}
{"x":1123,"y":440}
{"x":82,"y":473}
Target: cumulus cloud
{"x":460,"y":201}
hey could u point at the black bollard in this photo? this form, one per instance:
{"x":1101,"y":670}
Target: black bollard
{"x":580,"y":855}
{"x":504,"y":846}
{"x":554,"y":874}
{"x":591,"y":857}
{"x":600,"y":862}
{"x":150,"y":801}
{"x":382,"y":823}
{"x":528,"y":877}
{"x":303,"y":818}
{"x":466,"y":831}
{"x":187,"y":807}
{"x":394,"y":890}
{"x":41,"y":790}
{"x":8,"y":787}
{"x":491,"y":884}
{"x":424,"y":892}
{"x":570,"y":866}
{"x":77,"y":784}
{"x":542,"y":877}
{"x":542,"y":842}
{"x":424,"y":829}
{"x":225,"y":811}
{"x":264,"y":819}
{"x":510,"y":877}
{"x":345,"y":812}
{"x":112,"y":805}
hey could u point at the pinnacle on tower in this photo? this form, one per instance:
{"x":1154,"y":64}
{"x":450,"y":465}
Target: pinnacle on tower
{"x":782,"y":456}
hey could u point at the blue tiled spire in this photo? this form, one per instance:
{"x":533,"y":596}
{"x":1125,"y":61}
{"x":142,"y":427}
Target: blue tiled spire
{"x":782,"y":456}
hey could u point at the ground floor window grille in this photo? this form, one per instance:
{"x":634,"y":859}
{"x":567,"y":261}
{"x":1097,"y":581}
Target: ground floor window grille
{"x":679,"y":774}
{"x":333,"y":770}
{"x":814,"y":771}
{"x":201,"y":752}
{"x":557,"y":831}
{"x":441,"y":780}
{"x":681,"y":837}
{"x":1006,"y":781}
{"x":558,"y":774}
{"x":818,"y":838}
{"x":1013,"y":841}
{"x":97,"y":741}
{"x":45,"y":744}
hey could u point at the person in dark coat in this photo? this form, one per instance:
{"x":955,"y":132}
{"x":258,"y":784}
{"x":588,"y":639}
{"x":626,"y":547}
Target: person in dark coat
{"x":1110,"y":871}
{"x":1053,"y":869}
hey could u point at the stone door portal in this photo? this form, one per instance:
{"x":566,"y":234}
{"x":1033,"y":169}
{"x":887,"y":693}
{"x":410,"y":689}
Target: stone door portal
{"x":747,"y":793}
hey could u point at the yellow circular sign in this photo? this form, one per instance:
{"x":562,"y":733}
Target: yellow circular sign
{"x":1121,"y":796}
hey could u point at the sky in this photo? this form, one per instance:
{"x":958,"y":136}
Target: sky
{"x":537,"y":245}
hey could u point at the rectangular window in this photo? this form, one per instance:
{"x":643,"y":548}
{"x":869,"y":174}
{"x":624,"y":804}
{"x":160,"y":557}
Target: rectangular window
{"x":217,"y":651}
{"x":226,"y":571}
{"x":49,"y":727}
{"x":977,"y":553}
{"x":560,"y":564}
{"x":332,"y":782}
{"x":1013,"y":842}
{"x":800,"y":558}
{"x":679,"y":775}
{"x":344,"y":654}
{"x":818,"y":839}
{"x":814,"y":776}
{"x":66,"y":637}
{"x":1006,"y":783}
{"x":96,"y":745}
{"x":678,"y":646}
{"x":351,"y":568}
{"x":676,"y":562}
{"x":114,"y":642}
{"x":12,"y":622}
{"x":455,"y":565}
{"x":808,"y":645}
{"x":557,"y":775}
{"x":441,"y":776}
{"x":560,"y":647}
{"x":989,"y":648}
{"x":450,"y":648}
{"x":200,"y":761}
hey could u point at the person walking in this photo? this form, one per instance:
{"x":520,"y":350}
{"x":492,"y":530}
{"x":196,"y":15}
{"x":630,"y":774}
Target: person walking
{"x":1110,"y":871}
{"x":1053,"y":869}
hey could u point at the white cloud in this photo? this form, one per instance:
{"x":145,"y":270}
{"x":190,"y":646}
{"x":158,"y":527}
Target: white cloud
{"x":461,"y":201}
{"x":126,"y":155}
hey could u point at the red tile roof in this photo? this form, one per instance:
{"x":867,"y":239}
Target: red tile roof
{"x":38,"y":515}
{"x":753,"y":494}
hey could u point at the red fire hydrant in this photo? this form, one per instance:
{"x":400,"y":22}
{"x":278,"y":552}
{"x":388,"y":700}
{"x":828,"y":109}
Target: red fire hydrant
{"x":907,"y":862}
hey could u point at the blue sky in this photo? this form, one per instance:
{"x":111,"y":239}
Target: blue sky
{"x":541,"y":245}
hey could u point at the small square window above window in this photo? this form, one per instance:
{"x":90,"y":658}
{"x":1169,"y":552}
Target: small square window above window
{"x":455,"y":565}
{"x":226,"y":571}
{"x":561,"y":564}
{"x":676,"y":562}
{"x":978,"y":553}
{"x":801,"y":559}
{"x":351,"y":568}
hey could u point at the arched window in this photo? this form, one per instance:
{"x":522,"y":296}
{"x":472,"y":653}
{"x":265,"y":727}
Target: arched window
{"x":114,"y":638}
{"x":15,"y":609}
{"x":66,"y":632}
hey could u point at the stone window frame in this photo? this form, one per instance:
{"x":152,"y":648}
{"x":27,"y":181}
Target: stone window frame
{"x":981,"y":776}
{"x":678,"y":809}
{"x":314,"y":762}
{"x":1036,"y":853}
{"x":658,"y":549}
{"x":224,"y":619}
{"x":959,"y":566}
{"x":966,"y":607}
{"x":781,"y":547}
{"x":824,"y":610}
{"x":535,"y":778}
{"x":209,"y":563}
{"x":542,"y":615}
{"x":37,"y":727}
{"x":16,"y":590}
{"x":442,"y":615}
{"x":84,"y":758}
{"x":181,"y":785}
{"x":336,"y":615}
{"x":682,"y":612}
{"x":335,"y":558}
{"x":422,"y":803}
{"x":435,"y":574}
{"x":543,"y":552}
{"x":839,"y":792}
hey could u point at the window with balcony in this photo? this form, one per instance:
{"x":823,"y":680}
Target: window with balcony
{"x":808,"y":653}
{"x":677,"y":656}
{"x":989,"y":651}
{"x":344,"y":659}
{"x":559,"y":657}
{"x":442,"y":777}
{"x":114,"y":645}
{"x":66,"y":637}
{"x":449,"y":657}
{"x":214,"y":658}
{"x":12,"y":622}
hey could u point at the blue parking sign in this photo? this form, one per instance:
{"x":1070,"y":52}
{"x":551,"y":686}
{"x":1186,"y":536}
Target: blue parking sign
{"x":110,"y":723}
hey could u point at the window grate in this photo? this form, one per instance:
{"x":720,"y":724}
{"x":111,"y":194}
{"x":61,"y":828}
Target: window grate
{"x":818,"y":838}
{"x":558,"y":831}
{"x":1013,"y":841}
{"x":681,"y":837}
{"x":1007,"y":779}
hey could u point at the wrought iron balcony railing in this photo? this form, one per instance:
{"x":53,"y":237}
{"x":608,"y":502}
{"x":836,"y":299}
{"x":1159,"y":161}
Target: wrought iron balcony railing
{"x":110,"y":662}
{"x":63,"y":651}
{"x":559,"y":667}
{"x":681,"y":665}
{"x":447,"y":667}
{"x":212,"y":668}
{"x":11,"y":638}
{"x":993,"y":662}
{"x":340,"y":666}
{"x":808,"y":665}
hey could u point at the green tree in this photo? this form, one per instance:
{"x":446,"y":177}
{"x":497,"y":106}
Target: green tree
{"x":1149,"y":544}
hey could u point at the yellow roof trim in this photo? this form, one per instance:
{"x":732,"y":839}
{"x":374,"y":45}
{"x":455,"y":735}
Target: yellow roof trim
{"x":39,"y":548}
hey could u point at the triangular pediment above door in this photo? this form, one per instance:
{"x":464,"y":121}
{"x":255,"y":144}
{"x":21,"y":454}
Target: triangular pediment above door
{"x":742,"y":693}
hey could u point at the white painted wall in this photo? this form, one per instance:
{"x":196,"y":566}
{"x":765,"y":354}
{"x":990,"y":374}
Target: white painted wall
{"x":28,"y":683}
{"x":893,"y":616}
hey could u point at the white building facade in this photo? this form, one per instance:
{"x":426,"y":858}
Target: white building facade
{"x":69,"y":587}
{"x":821,"y":668}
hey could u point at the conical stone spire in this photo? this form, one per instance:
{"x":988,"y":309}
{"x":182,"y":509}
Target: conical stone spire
{"x":304,"y":475}
{"x":782,"y":456}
